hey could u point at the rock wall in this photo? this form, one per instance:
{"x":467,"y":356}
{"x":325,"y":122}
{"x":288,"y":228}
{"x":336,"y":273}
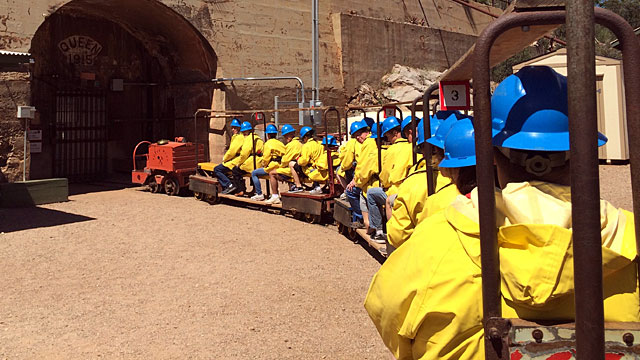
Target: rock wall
{"x":14,"y":91}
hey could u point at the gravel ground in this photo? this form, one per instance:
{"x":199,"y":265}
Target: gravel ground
{"x":615,"y":185}
{"x":129,"y":274}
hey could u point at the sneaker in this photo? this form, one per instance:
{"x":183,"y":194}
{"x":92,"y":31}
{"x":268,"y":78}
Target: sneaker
{"x":379,"y":238}
{"x":343,"y":196}
{"x":230,"y":189}
{"x":296,"y":189}
{"x":316,"y":191}
{"x":257,"y":197}
{"x":274,"y":199}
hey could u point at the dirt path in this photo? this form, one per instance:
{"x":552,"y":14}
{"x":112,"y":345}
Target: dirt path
{"x":128,"y":274}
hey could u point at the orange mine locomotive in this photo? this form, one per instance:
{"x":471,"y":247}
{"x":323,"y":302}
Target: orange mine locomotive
{"x":167,"y":165}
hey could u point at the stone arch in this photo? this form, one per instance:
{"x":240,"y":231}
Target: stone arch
{"x":140,"y":66}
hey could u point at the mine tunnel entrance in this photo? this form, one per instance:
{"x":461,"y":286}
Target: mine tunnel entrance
{"x":110,"y":74}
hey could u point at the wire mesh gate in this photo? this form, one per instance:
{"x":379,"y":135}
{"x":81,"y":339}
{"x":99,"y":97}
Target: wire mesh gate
{"x":80,"y":135}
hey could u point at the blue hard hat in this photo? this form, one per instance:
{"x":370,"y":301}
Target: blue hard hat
{"x":438,"y":138}
{"x":444,"y":114}
{"x":405,"y":123}
{"x":287,"y":129}
{"x":305,"y":130}
{"x":529,"y":111}
{"x":459,"y":145}
{"x":357,"y":126}
{"x":369,"y":121}
{"x":389,"y":123}
{"x":246,"y":126}
{"x":332,"y":140}
{"x":374,"y":131}
{"x":235,"y":123}
{"x":420,"y":131}
{"x":271,"y":129}
{"x":434,"y":122}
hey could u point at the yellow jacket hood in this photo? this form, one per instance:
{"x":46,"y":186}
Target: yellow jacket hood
{"x":535,"y":240}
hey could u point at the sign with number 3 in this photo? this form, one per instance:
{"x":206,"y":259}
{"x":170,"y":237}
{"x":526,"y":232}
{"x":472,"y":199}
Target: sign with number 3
{"x":454,"y":95}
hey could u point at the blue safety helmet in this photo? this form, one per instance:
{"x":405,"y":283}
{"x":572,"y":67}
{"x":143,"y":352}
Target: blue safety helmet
{"x":332,"y":140}
{"x":420,"y":131}
{"x":305,"y":130}
{"x":459,"y":145}
{"x":389,"y":123}
{"x":357,"y":126}
{"x":271,"y":129}
{"x":529,"y":111}
{"x":246,"y":126}
{"x":406,"y":122}
{"x":369,"y":121}
{"x":434,"y":122}
{"x":444,"y":114}
{"x":374,"y":131}
{"x":235,"y":123}
{"x":287,"y":129}
{"x":443,"y":129}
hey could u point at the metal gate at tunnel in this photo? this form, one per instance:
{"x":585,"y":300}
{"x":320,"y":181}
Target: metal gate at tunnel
{"x":81,"y":133}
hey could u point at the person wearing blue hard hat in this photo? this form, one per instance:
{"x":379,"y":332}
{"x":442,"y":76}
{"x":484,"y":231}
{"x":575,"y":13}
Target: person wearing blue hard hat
{"x":393,"y":173}
{"x":250,"y":154}
{"x":292,"y":151}
{"x":231,"y":157}
{"x":319,"y":171}
{"x":310,"y":153}
{"x":406,"y":129}
{"x":534,"y":238}
{"x":364,"y":176}
{"x":272,"y":153}
{"x":348,"y":154}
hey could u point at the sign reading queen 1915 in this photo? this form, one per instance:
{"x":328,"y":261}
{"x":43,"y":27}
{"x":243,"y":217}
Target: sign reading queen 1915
{"x":80,"y":50}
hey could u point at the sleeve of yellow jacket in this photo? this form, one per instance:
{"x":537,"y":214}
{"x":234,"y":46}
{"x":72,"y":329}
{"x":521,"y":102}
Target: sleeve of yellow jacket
{"x":424,"y":299}
{"x":235,"y":146}
{"x":292,"y":151}
{"x":367,"y":168}
{"x":311,"y":152}
{"x":412,"y":197}
{"x":397,"y":168}
{"x":349,"y":156}
{"x":274,"y":149}
{"x":247,"y":150}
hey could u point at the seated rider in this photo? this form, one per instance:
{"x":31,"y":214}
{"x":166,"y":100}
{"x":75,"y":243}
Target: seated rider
{"x":425,"y":299}
{"x":394,"y":171}
{"x":349,"y":154}
{"x":271,"y":156}
{"x":249,"y":155}
{"x":231,"y":157}
{"x":310,"y":153}
{"x":319,"y":173}
{"x":366,"y":173}
{"x":292,"y":151}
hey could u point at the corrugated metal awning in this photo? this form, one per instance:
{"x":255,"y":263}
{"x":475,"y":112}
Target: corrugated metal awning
{"x":14,"y":57}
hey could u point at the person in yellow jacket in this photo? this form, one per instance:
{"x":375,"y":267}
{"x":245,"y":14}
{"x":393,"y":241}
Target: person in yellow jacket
{"x":292,"y":151}
{"x":230,"y":158}
{"x":425,"y":299}
{"x":249,"y":153}
{"x":271,"y":155}
{"x":365,"y":175}
{"x":392,"y":174}
{"x":349,"y":155}
{"x":311,"y":152}
{"x":319,"y":173}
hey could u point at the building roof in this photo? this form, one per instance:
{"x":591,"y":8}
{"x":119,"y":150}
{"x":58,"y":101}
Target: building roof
{"x":562,"y":52}
{"x":616,"y":43}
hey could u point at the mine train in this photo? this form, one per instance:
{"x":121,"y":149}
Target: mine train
{"x":523,"y":23}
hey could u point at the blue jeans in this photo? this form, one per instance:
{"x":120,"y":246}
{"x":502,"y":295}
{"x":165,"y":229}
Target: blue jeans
{"x":376,"y":198}
{"x":353,"y":197}
{"x":256,"y":180}
{"x":221,"y":173}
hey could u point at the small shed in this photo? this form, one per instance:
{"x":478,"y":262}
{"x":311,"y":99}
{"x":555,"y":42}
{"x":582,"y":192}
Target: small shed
{"x":612,"y":119}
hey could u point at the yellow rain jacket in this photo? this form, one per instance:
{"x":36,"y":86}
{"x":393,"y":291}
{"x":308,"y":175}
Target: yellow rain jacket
{"x":396,"y":170}
{"x":311,"y":152}
{"x":348,"y":155}
{"x":426,"y":298}
{"x":366,"y":174}
{"x":409,"y":208}
{"x":273,"y":151}
{"x":230,"y":158}
{"x":320,"y":172}
{"x":246,"y":157}
{"x":291,"y":153}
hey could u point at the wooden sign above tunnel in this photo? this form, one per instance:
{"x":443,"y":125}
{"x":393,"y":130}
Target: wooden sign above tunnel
{"x":454,"y":95}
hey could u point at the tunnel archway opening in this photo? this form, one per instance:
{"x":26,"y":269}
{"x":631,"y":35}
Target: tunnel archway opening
{"x":109,"y":74}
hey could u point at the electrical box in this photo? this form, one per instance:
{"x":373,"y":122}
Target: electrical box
{"x":117,"y":84}
{"x":26,"y":112}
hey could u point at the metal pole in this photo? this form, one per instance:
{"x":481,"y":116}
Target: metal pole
{"x":585,"y":191}
{"x":276,"y":114}
{"x":24,"y":165}
{"x":315,"y":79}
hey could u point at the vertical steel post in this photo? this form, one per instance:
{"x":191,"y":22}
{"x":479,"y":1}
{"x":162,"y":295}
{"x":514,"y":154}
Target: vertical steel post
{"x":585,"y":191}
{"x":315,"y":49}
{"x":427,"y":150}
